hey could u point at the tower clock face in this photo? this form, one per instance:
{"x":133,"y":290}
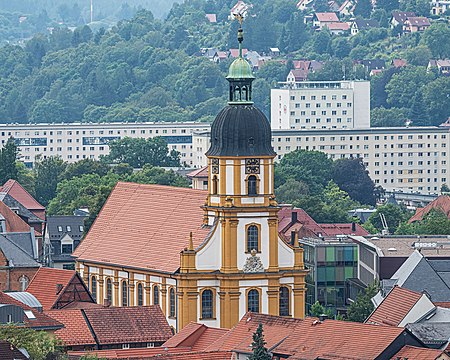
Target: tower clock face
{"x":252,"y":166}
{"x":215,"y":166}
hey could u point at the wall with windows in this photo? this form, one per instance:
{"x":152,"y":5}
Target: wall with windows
{"x":331,"y":265}
{"x":77,"y":141}
{"x":321,"y":105}
{"x":408,"y":159}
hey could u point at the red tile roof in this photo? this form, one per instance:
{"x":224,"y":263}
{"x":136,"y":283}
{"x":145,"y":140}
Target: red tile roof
{"x":337,"y":26}
{"x":139,"y":220}
{"x":137,"y":324}
{"x":418,"y":21}
{"x":394,"y":307}
{"x":41,"y":321}
{"x":416,"y":353}
{"x":275,"y":328}
{"x":45,"y":283}
{"x":195,"y":336}
{"x":327,"y":17}
{"x":199,"y":173}
{"x":235,"y":52}
{"x":76,"y":330}
{"x":309,"y":338}
{"x":441,"y":203}
{"x":153,"y":353}
{"x":13,"y":188}
{"x":14,"y":222}
{"x":314,"y":339}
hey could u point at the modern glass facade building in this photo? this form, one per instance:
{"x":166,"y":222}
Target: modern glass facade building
{"x":331,"y":262}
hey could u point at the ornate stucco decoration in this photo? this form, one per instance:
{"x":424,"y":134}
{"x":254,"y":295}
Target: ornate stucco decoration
{"x":253,"y":263}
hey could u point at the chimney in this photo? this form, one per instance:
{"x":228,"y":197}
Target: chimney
{"x":323,"y":317}
{"x":293,"y":217}
{"x":293,"y":238}
{"x":59,"y":287}
{"x":353,"y":226}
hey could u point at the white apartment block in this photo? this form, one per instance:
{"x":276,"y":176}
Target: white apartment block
{"x":321,"y":105}
{"x":409,"y":159}
{"x":77,"y":141}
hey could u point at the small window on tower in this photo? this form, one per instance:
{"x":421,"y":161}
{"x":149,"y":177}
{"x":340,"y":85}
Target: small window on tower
{"x":215,"y":185}
{"x":252,"y":185}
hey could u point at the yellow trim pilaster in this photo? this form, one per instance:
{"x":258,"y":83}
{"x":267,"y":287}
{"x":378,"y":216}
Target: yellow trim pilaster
{"x":100,"y":292}
{"x":273,"y":244}
{"x":148,"y":289}
{"x":116,"y":288}
{"x":131,"y":288}
{"x":273,"y":293}
{"x":164,"y":296}
{"x":229,"y":303}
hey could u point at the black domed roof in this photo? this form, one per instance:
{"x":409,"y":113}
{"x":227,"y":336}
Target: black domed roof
{"x":241,"y":130}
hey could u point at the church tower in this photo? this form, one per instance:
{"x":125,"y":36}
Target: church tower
{"x":243,"y":265}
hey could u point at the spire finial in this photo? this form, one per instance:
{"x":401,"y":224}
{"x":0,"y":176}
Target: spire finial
{"x":191,"y":242}
{"x":239,"y":17}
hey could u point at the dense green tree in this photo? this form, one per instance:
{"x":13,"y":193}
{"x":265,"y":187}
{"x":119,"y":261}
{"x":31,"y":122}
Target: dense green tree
{"x":321,"y":6}
{"x":388,"y":117}
{"x":138,"y":151}
{"x":436,"y":96}
{"x":48,"y":173}
{"x":39,"y":344}
{"x":434,"y":223}
{"x":419,"y":56}
{"x":394,"y":215}
{"x":322,"y":41}
{"x":363,"y":8}
{"x":313,"y":168}
{"x":8,"y":157}
{"x":291,"y":191}
{"x":359,"y":310}
{"x":436,"y":38}
{"x":259,"y":351}
{"x":388,"y":5}
{"x":85,"y":166}
{"x":318,"y":310}
{"x":352,"y":177}
{"x":25,"y":177}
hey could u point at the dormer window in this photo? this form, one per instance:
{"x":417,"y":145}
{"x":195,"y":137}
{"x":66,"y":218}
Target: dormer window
{"x":60,"y":228}
{"x":68,"y":228}
{"x":66,"y":248}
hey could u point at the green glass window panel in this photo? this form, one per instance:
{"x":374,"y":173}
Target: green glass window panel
{"x":339,"y":273}
{"x":348,"y":253}
{"x":320,"y":254}
{"x":349,"y":270}
{"x":355,"y":253}
{"x":321,"y":274}
{"x":331,"y":273}
{"x":330,"y":254}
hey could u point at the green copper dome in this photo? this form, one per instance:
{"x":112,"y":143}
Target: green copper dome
{"x":240,"y":69}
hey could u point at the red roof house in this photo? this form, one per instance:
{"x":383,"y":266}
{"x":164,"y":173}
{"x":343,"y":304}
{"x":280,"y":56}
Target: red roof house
{"x":57,"y":289}
{"x":441,"y":203}
{"x":418,"y":353}
{"x":105,"y":328}
{"x":397,"y":305}
{"x":13,"y":188}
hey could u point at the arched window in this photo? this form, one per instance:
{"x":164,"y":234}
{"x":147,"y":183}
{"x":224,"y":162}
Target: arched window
{"x":215,"y":185}
{"x":252,"y":238}
{"x":140,"y":294}
{"x":253,"y":300}
{"x":23,"y":280}
{"x":172,"y":302}
{"x":207,"y":304}
{"x":109,"y":290}
{"x":124,"y":293}
{"x":155,"y":295}
{"x":284,"y":301}
{"x":94,"y":288}
{"x":251,"y":184}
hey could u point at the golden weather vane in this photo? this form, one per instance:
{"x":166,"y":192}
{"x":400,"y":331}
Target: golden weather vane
{"x":239,"y":17}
